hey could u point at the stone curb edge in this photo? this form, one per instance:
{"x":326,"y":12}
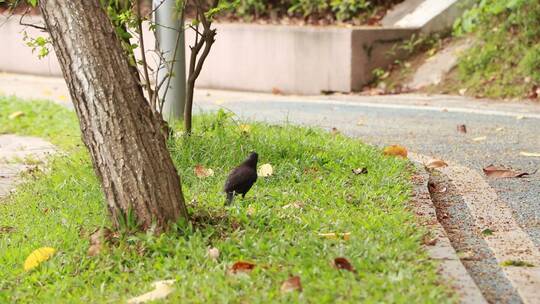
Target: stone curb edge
{"x":439,"y":248}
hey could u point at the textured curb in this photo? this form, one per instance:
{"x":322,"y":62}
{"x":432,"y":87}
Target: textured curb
{"x":440,"y":249}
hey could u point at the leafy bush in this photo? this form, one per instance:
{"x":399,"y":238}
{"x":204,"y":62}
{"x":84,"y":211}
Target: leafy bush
{"x":505,"y":61}
{"x":340,"y":10}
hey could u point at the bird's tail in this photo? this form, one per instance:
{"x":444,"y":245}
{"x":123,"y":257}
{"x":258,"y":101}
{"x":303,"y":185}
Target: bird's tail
{"x":230,"y":196}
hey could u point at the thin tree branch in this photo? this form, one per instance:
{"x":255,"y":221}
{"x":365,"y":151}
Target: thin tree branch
{"x":44,"y":29}
{"x":143,"y":55}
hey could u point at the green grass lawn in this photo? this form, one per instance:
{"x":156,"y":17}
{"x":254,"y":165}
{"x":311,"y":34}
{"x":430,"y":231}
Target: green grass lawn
{"x":312,"y":169}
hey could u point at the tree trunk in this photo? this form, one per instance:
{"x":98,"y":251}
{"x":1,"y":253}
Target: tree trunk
{"x":122,"y":133}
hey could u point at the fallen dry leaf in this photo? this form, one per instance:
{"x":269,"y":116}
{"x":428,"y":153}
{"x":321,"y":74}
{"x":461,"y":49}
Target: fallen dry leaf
{"x":292,"y":284}
{"x":434,"y":188}
{"x":395,"y":150}
{"x":213,"y":253}
{"x":241,"y":267}
{"x":360,"y":171}
{"x":161,"y":290}
{"x":94,"y":250}
{"x":297,"y":205}
{"x":480,"y":138}
{"x":16,"y":115}
{"x":462,"y":91}
{"x":529,"y":154}
{"x":332,"y":235}
{"x":265,"y":170}
{"x":436,"y":163}
{"x":37,"y":257}
{"x":520,"y":117}
{"x":462,"y":128}
{"x":96,"y":240}
{"x":534,"y":92}
{"x":499,"y":129}
{"x":202,"y":172}
{"x":359,"y":123}
{"x":277,"y":91}
{"x":244,"y":128}
{"x":492,"y":171}
{"x":335,"y":131}
{"x":343,"y":263}
{"x":6,"y":229}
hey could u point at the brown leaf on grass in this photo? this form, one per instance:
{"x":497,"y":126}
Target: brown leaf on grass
{"x":291,"y":284}
{"x":495,"y":172}
{"x":395,"y":150}
{"x":161,"y":290}
{"x":343,"y":263}
{"x":6,"y":229}
{"x":436,"y":163}
{"x":462,"y":128}
{"x":241,"y":267}
{"x":202,"y":172}
{"x":96,"y":242}
{"x":98,"y":238}
{"x":360,"y":171}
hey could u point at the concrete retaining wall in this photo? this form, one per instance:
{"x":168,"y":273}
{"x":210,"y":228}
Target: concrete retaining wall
{"x":249,"y":57}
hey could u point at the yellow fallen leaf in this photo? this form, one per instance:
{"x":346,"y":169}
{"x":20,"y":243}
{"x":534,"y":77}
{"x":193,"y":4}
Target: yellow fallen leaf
{"x":47,"y":92}
{"x":16,"y":115}
{"x":499,"y":129}
{"x":520,"y":117}
{"x":395,"y":150}
{"x":481,"y":138}
{"x":265,"y":170}
{"x":333,"y":235}
{"x":245,"y":128}
{"x":202,"y":172}
{"x":62,"y":97}
{"x":436,"y":163}
{"x":37,"y":257}
{"x":529,"y":154}
{"x":161,"y":290}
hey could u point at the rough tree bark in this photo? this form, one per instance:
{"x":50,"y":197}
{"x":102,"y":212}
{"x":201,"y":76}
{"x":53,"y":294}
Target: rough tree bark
{"x":124,"y":136}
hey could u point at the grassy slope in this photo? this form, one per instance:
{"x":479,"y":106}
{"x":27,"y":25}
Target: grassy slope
{"x":505,"y":60}
{"x":60,"y":209}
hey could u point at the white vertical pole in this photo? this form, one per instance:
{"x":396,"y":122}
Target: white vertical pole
{"x":167,"y":20}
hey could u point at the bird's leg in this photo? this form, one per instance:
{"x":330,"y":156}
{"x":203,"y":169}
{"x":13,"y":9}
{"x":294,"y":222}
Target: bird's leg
{"x":230,"y":198}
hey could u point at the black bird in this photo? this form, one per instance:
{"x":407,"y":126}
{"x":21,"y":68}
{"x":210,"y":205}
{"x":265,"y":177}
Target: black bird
{"x":242,"y":178}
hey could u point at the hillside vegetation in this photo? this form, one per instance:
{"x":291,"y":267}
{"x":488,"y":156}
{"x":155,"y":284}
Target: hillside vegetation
{"x":505,"y":60}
